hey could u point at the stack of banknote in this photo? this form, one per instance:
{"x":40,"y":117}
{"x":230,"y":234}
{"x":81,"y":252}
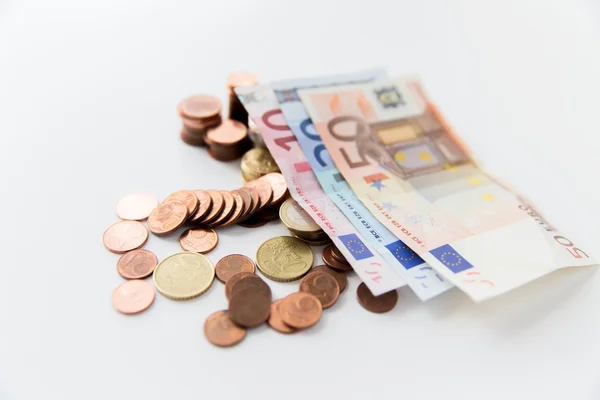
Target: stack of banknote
{"x":375,"y":163}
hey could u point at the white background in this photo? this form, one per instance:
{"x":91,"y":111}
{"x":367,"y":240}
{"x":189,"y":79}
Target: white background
{"x":88,"y":91}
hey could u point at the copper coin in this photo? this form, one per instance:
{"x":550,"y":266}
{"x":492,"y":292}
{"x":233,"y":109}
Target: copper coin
{"x":201,"y":125}
{"x":233,"y":264}
{"x":300,"y":310}
{"x":233,"y":280}
{"x":186,"y":197}
{"x":167,"y":217}
{"x":204,"y":205}
{"x":137,"y":264}
{"x":249,"y":307}
{"x":264,"y":191}
{"x":332,"y":262}
{"x":136,"y":206}
{"x":238,"y":79}
{"x":278,"y":185}
{"x":339,"y":277}
{"x":221,"y":331}
{"x":246,"y":200}
{"x":228,"y":133}
{"x":254,"y":221}
{"x":275,"y":320}
{"x":228,"y":208}
{"x":199,"y":240}
{"x":192,"y":138}
{"x":199,"y":107}
{"x":255,"y":199}
{"x":254,"y":283}
{"x":323,"y":286}
{"x":377,"y":304}
{"x":217,"y":206}
{"x":337,"y":254}
{"x":125,"y":236}
{"x":132,"y":297}
{"x":238,"y":209}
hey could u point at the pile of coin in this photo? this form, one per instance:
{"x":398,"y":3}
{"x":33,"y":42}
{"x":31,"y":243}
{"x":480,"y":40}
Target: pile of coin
{"x":228,"y":141}
{"x":236,"y":108}
{"x":199,"y":113}
{"x":301,"y":225}
{"x":250,"y":297}
{"x":257,"y":162}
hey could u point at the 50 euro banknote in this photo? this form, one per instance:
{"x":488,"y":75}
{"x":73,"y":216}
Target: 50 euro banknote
{"x":412,"y":171}
{"x":263,"y":108}
{"x":422,"y":279}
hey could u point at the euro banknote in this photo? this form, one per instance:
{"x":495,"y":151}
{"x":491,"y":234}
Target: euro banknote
{"x":263,"y":108}
{"x":412,"y":171}
{"x":423,"y":280}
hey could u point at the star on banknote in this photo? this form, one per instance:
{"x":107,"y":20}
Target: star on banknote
{"x":378,"y":184}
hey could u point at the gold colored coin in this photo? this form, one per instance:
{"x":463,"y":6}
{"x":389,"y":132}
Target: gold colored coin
{"x":184,"y":276}
{"x":284,"y":258}
{"x":256,"y":163}
{"x":296,"y":219}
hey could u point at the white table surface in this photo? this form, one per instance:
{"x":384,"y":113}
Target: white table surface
{"x":88,"y":91}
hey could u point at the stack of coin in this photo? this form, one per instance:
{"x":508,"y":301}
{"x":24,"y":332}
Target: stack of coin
{"x":236,"y":108}
{"x":333,"y":258}
{"x":256,"y":163}
{"x":228,"y":141}
{"x":255,"y":135}
{"x":301,"y":225}
{"x":199,"y":114}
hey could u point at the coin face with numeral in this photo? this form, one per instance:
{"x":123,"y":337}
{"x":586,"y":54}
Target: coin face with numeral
{"x":284,"y":258}
{"x":184,"y":276}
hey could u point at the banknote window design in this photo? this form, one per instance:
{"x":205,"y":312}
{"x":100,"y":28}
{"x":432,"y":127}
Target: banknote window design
{"x":419,"y":145}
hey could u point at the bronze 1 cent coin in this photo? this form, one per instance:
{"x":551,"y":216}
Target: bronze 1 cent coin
{"x":278,"y":185}
{"x":238,"y":209}
{"x":228,"y":208}
{"x":301,"y":310}
{"x":199,"y":240}
{"x":167,"y":217}
{"x":253,"y":283}
{"x":250,"y":307}
{"x":337,"y":254}
{"x":204,"y":205}
{"x":233,"y":280}
{"x":199,"y":107}
{"x":331,"y":262}
{"x":125,"y":236}
{"x":137,"y":264}
{"x":339,"y":277}
{"x":377,"y":304}
{"x":233,"y":264}
{"x":264,"y":191}
{"x":323,"y":286}
{"x":186,"y":197}
{"x":275,"y":320}
{"x":217,"y":206}
{"x":221,"y":331}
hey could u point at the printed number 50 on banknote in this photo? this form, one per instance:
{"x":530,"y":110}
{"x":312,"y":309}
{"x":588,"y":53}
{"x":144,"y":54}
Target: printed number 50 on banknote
{"x":414,"y":174}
